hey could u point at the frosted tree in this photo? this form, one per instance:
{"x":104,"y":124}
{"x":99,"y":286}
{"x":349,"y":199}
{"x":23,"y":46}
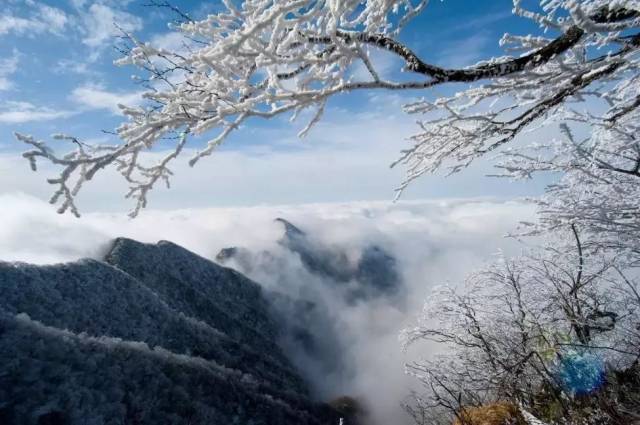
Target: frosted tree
{"x":599,"y":186}
{"x":264,"y":59}
{"x":543,"y":331}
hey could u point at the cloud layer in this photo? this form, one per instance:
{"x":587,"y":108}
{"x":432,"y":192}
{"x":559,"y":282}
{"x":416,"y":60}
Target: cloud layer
{"x":432,"y":241}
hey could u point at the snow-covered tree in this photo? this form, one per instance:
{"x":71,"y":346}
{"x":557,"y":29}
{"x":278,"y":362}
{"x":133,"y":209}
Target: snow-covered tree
{"x":263,"y":59}
{"x":538,"y":331}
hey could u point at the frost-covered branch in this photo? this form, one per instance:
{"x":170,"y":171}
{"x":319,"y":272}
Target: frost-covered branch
{"x":599,"y":187}
{"x":261,"y":60}
{"x":512,"y":330}
{"x":80,"y":165}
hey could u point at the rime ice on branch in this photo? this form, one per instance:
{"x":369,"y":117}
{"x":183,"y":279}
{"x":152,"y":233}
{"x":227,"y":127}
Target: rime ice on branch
{"x":263,"y":59}
{"x":536,"y":330}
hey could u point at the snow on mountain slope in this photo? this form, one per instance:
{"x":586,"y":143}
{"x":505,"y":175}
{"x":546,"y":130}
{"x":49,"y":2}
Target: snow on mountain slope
{"x":159,"y":335}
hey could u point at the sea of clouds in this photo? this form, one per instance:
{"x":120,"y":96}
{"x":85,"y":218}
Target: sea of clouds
{"x":434,"y":242}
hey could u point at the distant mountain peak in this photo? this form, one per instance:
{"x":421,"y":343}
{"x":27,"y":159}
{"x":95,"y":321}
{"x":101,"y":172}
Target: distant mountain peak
{"x":289,"y":229}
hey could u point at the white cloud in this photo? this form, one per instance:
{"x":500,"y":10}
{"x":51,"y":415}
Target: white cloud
{"x":12,"y":112}
{"x":54,"y":18}
{"x":100,"y":22}
{"x":77,"y":67}
{"x":43,"y":19}
{"x":97,"y":97}
{"x":7,"y":67}
{"x":14,"y":24}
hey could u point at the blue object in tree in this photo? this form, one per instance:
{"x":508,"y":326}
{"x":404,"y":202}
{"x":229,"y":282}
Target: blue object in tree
{"x":581,"y":372}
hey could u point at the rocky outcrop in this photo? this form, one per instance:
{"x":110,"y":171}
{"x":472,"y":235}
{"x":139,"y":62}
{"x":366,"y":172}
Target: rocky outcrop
{"x":374,"y":274}
{"x":153,"y":334}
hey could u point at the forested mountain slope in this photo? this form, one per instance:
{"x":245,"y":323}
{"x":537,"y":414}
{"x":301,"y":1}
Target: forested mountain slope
{"x":155,"y":334}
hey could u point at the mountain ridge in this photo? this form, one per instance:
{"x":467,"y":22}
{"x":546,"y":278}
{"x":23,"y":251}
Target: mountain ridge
{"x":153,"y":334}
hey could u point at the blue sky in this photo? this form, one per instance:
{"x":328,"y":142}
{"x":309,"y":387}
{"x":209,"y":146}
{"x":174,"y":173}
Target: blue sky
{"x":57,"y":75}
